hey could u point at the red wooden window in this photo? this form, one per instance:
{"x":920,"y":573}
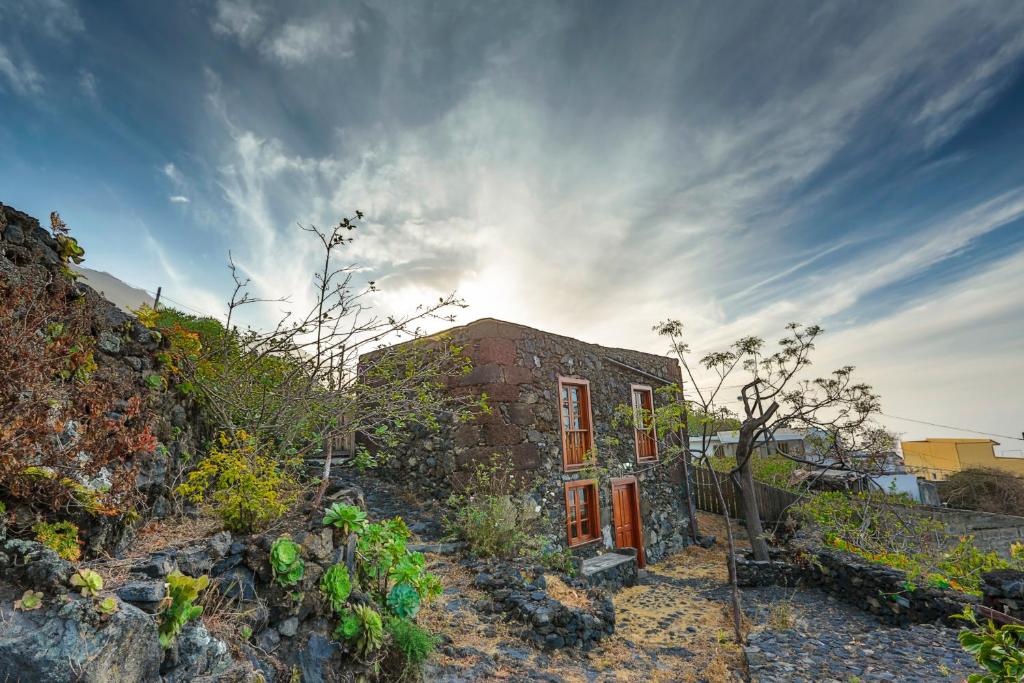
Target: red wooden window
{"x":643,"y":422}
{"x":577,"y":436}
{"x":582,"y":513}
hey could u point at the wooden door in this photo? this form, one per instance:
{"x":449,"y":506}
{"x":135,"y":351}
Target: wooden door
{"x":626,"y":517}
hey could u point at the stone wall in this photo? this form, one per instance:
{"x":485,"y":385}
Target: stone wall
{"x":521,"y":593}
{"x":873,"y":588}
{"x":126,"y":349}
{"x":518,"y":368}
{"x":1004,"y":591}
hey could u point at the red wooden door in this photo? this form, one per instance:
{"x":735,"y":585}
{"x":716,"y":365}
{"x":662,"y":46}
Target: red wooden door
{"x":625,"y":518}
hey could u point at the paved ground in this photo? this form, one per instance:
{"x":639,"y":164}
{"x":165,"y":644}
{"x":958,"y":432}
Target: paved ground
{"x":832,"y":641}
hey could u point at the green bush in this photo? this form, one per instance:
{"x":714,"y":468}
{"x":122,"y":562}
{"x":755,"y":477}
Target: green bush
{"x":559,"y":560}
{"x":286,"y":561}
{"x":386,"y":561}
{"x":493,"y":516}
{"x":413,"y":642}
{"x":868,"y":526}
{"x":1000,"y":651}
{"x":363,"y":628}
{"x":178,"y":608}
{"x":348,"y":518}
{"x":336,"y":586}
{"x":245,"y":486}
{"x":60,"y":537}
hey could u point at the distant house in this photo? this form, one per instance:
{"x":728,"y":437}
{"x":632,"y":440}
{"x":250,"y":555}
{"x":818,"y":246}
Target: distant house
{"x":938,"y":459}
{"x":784,"y":441}
{"x":554,"y":401}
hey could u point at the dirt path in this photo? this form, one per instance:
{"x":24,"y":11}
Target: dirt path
{"x":668,"y":628}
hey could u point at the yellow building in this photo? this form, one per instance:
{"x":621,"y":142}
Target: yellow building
{"x":937,"y":459}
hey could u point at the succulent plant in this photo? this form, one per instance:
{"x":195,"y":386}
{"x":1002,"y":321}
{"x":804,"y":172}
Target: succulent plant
{"x":348,"y":518}
{"x":89,"y":581}
{"x":29,"y":600}
{"x":286,"y":562}
{"x":404,"y":601}
{"x":336,"y":586}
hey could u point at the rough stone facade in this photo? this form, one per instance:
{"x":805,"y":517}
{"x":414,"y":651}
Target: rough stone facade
{"x":519,"y":368}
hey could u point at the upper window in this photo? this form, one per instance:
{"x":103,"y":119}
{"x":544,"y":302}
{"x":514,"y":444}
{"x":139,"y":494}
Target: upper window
{"x":643,"y":423}
{"x":577,"y":435}
{"x":582,"y":513}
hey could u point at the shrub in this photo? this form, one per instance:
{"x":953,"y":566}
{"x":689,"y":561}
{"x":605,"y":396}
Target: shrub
{"x":177,"y":607}
{"x":60,"y":537}
{"x":245,"y":486}
{"x":386,"y":561}
{"x":336,"y":586}
{"x":413,"y":642}
{"x":1000,"y":651}
{"x":492,"y":515}
{"x":348,"y":518}
{"x":986,"y":490}
{"x":285,"y":561}
{"x":362,"y":627}
{"x":560,"y":560}
{"x":893,"y":536}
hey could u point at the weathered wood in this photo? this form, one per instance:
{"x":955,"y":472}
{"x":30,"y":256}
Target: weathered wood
{"x":772,"y":502}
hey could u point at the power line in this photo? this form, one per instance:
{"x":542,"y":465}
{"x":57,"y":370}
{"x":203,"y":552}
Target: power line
{"x":959,"y":429}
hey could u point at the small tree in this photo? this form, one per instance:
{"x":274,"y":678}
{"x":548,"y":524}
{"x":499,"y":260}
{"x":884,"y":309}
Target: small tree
{"x":835,"y":411}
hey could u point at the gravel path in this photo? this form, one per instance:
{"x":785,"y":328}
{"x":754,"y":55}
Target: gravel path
{"x":832,"y":641}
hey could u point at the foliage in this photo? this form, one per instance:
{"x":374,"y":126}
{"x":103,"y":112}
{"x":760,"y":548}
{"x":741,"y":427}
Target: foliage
{"x":404,"y":601}
{"x":986,"y":490}
{"x":492,"y":514}
{"x":774,"y":470}
{"x":89,"y":581}
{"x":58,"y":403}
{"x":177,"y":608}
{"x":286,"y":561}
{"x":362,"y":626}
{"x":242,"y":482}
{"x":289,"y":385}
{"x":559,"y":559}
{"x":336,"y":586}
{"x":60,"y":537}
{"x":385,"y":560}
{"x":414,"y":642}
{"x":999,"y":650}
{"x":30,"y":600}
{"x":349,"y":518}
{"x":867,"y":526}
{"x":106,"y":606}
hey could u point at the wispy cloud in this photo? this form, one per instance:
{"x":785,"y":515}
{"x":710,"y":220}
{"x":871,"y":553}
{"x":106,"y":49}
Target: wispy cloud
{"x":178,"y":199}
{"x":21,"y":76}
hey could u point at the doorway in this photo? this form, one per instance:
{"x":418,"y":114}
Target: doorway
{"x":626,"y":517}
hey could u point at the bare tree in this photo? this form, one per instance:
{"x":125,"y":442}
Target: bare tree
{"x":834,"y":411}
{"x":299,"y":386}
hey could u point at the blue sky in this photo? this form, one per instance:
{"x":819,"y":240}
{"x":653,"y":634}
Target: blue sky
{"x":587,"y":168}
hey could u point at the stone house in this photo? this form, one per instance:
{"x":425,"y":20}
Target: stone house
{"x":553,"y":401}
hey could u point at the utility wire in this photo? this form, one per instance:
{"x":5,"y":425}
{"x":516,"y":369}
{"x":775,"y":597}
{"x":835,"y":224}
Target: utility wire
{"x":959,"y":429}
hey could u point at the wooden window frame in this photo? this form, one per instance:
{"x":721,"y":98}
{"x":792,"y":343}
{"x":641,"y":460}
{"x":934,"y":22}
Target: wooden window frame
{"x":594,"y":509}
{"x":653,"y":430}
{"x":588,"y":413}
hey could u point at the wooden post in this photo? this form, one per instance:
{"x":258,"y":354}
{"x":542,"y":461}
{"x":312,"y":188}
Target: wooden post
{"x":156,"y":301}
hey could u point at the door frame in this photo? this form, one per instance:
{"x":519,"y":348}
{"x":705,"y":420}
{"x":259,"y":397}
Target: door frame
{"x":638,"y":529}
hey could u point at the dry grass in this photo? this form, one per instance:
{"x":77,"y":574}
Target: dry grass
{"x":566,"y":595}
{"x":174,"y":532}
{"x":224,"y":617}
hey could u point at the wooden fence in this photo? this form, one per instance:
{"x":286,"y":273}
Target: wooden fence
{"x":772,"y":502}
